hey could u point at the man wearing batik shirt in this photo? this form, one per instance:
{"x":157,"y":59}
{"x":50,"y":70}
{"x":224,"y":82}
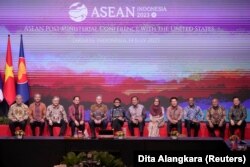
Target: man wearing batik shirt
{"x":192,"y":116}
{"x":118,"y":114}
{"x":237,"y":117}
{"x":56,"y":116}
{"x":216,"y":116}
{"x":136,"y":116}
{"x":37,"y":114}
{"x":98,"y":116}
{"x":18,"y":115}
{"x":76,"y":116}
{"x":174,"y":116}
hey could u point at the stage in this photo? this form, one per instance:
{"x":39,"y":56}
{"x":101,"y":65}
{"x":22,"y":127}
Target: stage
{"x":48,"y":151}
{"x":162,"y":54}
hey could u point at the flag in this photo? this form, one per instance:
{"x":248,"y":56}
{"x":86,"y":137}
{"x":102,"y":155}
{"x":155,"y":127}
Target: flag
{"x":1,"y":89}
{"x":9,"y":90}
{"x":22,"y":80}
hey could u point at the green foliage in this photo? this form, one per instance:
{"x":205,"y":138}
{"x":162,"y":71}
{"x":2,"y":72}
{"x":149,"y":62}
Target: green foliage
{"x":4,"y":120}
{"x":106,"y":159}
{"x":72,"y":159}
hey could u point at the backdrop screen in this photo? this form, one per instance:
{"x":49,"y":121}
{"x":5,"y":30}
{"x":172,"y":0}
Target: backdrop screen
{"x":123,"y":48}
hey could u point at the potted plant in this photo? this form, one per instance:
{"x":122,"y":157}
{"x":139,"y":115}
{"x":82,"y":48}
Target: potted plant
{"x":73,"y":160}
{"x":4,"y":120}
{"x":19,"y":134}
{"x":106,"y":159}
{"x":92,"y":158}
{"x":174,"y":134}
{"x":234,"y":139}
{"x":120,"y":134}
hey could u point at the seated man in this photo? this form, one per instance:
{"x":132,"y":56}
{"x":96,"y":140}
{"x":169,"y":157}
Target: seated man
{"x":192,"y":116}
{"x":98,"y":116}
{"x":136,"y":116}
{"x":18,"y":115}
{"x":174,"y":116}
{"x":117,"y":115}
{"x":56,"y":116}
{"x":216,"y":116}
{"x":76,"y":116}
{"x":37,"y":114}
{"x":237,"y":116}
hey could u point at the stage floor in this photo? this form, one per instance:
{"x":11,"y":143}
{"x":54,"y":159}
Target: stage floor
{"x":48,"y":151}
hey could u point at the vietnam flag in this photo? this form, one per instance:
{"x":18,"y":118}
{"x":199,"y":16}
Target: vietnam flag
{"x":22,"y":80}
{"x":9,"y":90}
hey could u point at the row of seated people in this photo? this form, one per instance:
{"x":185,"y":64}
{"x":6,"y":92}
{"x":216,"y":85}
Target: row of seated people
{"x":203,"y":132}
{"x":55,"y":115}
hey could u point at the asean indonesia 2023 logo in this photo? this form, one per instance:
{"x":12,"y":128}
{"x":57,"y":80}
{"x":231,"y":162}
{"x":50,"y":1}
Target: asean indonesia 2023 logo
{"x":78,"y":12}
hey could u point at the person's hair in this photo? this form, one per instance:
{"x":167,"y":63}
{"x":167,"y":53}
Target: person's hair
{"x":172,"y":98}
{"x":19,"y":96}
{"x":37,"y":94}
{"x":215,"y":99}
{"x":235,"y":97}
{"x":117,"y":99}
{"x":157,"y":99}
{"x":56,"y":97}
{"x":191,"y":98}
{"x":134,"y":97}
{"x":98,"y":96}
{"x":76,"y":97}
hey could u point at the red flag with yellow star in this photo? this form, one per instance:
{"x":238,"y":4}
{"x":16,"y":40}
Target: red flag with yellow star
{"x":9,"y":89}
